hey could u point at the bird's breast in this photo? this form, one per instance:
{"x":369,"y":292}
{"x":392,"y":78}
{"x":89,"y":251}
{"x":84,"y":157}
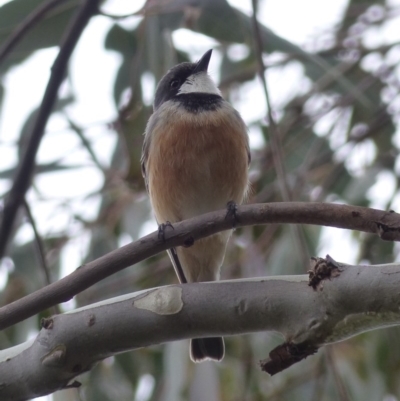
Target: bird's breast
{"x":196,"y":162}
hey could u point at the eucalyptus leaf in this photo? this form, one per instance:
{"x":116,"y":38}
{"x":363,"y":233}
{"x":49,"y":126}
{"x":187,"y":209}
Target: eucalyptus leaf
{"x":14,"y":12}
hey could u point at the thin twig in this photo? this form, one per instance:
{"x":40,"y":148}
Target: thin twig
{"x":320,"y":378}
{"x":86,"y":143}
{"x":40,"y":252}
{"x":274,"y":130}
{"x":341,"y":388}
{"x":385,"y":224}
{"x":277,"y":153}
{"x":39,"y":243}
{"x":27,"y":165}
{"x":28,"y":23}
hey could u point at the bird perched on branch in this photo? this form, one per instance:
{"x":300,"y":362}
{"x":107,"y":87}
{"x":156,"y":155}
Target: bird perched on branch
{"x":195,"y":160}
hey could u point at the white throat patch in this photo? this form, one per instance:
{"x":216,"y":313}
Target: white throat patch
{"x":200,"y":82}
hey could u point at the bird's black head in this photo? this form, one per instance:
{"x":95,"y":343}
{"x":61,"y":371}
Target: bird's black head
{"x":185,"y":78}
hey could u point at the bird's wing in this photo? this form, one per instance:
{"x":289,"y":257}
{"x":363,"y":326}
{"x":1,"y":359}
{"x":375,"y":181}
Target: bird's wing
{"x":143,"y":160}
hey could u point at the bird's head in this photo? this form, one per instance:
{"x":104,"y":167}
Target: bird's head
{"x":186,"y":78}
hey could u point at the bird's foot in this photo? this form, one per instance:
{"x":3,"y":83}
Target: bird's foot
{"x":231,"y":212}
{"x":161,"y":230}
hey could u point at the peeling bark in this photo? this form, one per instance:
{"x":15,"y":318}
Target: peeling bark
{"x":361,"y":298}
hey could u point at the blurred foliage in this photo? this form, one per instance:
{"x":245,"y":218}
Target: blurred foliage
{"x":354,"y":99}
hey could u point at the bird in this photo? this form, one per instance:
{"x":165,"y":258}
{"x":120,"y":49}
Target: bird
{"x":195,"y":159}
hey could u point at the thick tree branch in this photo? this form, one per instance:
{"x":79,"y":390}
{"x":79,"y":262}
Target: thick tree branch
{"x":26,"y":167}
{"x":361,"y":298}
{"x":384,"y":224}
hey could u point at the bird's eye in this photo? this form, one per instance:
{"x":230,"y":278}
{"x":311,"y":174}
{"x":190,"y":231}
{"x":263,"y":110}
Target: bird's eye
{"x":174,"y":84}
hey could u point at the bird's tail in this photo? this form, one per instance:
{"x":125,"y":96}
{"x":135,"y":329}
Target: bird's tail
{"x":200,"y":348}
{"x":207,"y":348}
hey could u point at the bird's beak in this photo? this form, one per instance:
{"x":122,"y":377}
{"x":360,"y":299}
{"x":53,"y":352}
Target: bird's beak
{"x":202,"y":64}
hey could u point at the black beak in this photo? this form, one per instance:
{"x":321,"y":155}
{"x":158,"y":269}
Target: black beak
{"x":202,"y":64}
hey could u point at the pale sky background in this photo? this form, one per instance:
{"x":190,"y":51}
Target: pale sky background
{"x":90,"y":65}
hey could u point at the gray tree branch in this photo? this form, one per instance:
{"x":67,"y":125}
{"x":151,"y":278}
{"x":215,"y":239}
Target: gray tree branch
{"x":359,"y":299}
{"x":384,"y":224}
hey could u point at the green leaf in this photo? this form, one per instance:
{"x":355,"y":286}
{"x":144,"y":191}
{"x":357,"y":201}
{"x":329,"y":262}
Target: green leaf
{"x":125,"y":43}
{"x":46,"y":33}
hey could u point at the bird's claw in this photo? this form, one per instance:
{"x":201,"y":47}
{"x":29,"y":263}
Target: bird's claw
{"x":231,"y":212}
{"x":161,"y":230}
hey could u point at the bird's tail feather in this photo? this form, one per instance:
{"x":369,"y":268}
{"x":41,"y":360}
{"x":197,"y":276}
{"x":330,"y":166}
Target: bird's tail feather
{"x":200,"y":348}
{"x":207,"y":348}
{"x":177,"y":265}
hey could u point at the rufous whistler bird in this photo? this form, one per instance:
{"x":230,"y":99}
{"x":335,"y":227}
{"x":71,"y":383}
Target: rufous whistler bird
{"x":195,"y":160}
